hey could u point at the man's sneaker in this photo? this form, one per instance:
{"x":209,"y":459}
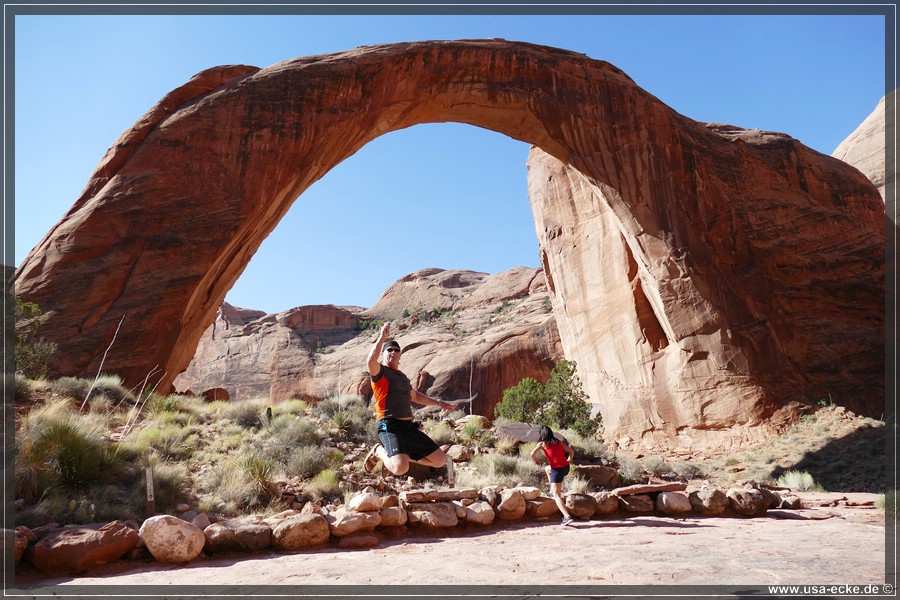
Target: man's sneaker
{"x":450,"y":474}
{"x":566,"y":520}
{"x":371,"y":459}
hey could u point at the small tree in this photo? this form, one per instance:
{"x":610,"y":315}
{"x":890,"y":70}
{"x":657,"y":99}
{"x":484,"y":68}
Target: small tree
{"x":522,"y":402}
{"x":32,"y":354}
{"x":567,"y":405}
{"x":559,"y":403}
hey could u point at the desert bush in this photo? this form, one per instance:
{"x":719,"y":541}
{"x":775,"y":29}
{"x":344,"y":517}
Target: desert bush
{"x":439,"y":431}
{"x":475,"y":433}
{"x":631,"y":471}
{"x":324,"y":486}
{"x":335,"y":404}
{"x":799,"y":481}
{"x":59,"y":448}
{"x":506,"y":445}
{"x":75,"y":388}
{"x":587,"y":448}
{"x":307,"y":461}
{"x":249,"y":414}
{"x":261,"y":471}
{"x":228,"y":489}
{"x":32,"y":354}
{"x":508,"y":470}
{"x":688,"y":470}
{"x":110,"y":385}
{"x":657,"y":467}
{"x":291,"y":407}
{"x":576,"y":484}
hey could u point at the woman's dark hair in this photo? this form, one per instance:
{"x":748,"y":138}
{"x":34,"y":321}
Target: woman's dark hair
{"x":547,"y":435}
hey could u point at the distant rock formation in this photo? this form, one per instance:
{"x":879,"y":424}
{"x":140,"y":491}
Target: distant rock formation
{"x":462,"y":332}
{"x":754,"y":266}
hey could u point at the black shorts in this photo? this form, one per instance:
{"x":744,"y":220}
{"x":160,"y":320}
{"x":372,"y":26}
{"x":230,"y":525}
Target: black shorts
{"x":556,"y":475}
{"x":404,"y":437}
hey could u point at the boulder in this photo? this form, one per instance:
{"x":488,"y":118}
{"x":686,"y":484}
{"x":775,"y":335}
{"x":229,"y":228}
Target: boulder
{"x":393,"y":516}
{"x":346,"y":521}
{"x":673,"y":503}
{"x":581,"y":506}
{"x":480,"y":513}
{"x":747,"y":501}
{"x":365,"y":502}
{"x":607,"y":503}
{"x":73,"y":550}
{"x":511,"y":505}
{"x":435,"y":515}
{"x":637,"y":503}
{"x":237,"y":535}
{"x":171,"y":540}
{"x":526,"y":491}
{"x":540,"y":508}
{"x":709,"y":501}
{"x":301,"y":532}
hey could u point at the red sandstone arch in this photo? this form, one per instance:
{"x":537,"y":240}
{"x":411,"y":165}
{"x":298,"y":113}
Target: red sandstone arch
{"x":177,"y":207}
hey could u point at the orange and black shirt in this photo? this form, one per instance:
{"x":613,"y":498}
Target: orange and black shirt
{"x":392,"y":392}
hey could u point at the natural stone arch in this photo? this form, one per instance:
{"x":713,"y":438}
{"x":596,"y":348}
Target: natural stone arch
{"x":180,"y":203}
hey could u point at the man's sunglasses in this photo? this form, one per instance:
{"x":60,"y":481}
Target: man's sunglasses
{"x":393,"y":350}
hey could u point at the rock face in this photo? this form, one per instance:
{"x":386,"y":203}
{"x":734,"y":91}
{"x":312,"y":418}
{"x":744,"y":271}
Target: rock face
{"x":864,"y":148}
{"x":660,"y":304}
{"x":473,"y":331}
{"x":702,"y":276}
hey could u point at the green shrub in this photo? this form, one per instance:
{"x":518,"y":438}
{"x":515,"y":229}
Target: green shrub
{"x":560,"y":403}
{"x":261,"y":471}
{"x":474,"y":433}
{"x":507,"y":470}
{"x":32,"y":354}
{"x":59,"y":448}
{"x":324,"y":486}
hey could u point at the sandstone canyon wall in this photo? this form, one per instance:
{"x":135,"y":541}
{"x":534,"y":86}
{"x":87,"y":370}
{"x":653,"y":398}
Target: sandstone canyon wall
{"x":463,"y":333}
{"x":755,"y":265}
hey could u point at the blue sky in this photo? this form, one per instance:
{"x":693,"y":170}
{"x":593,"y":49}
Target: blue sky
{"x":441,"y":195}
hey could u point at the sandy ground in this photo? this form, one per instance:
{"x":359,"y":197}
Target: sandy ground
{"x":819,"y":545}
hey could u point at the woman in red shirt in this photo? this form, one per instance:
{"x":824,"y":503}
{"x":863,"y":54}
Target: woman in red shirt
{"x":558,"y":454}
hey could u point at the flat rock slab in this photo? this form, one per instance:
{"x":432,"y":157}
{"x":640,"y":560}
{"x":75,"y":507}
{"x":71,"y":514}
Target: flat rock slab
{"x":650,"y":488}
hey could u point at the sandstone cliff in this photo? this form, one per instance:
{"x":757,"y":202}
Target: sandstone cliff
{"x":462,"y":332}
{"x":864,"y":148}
